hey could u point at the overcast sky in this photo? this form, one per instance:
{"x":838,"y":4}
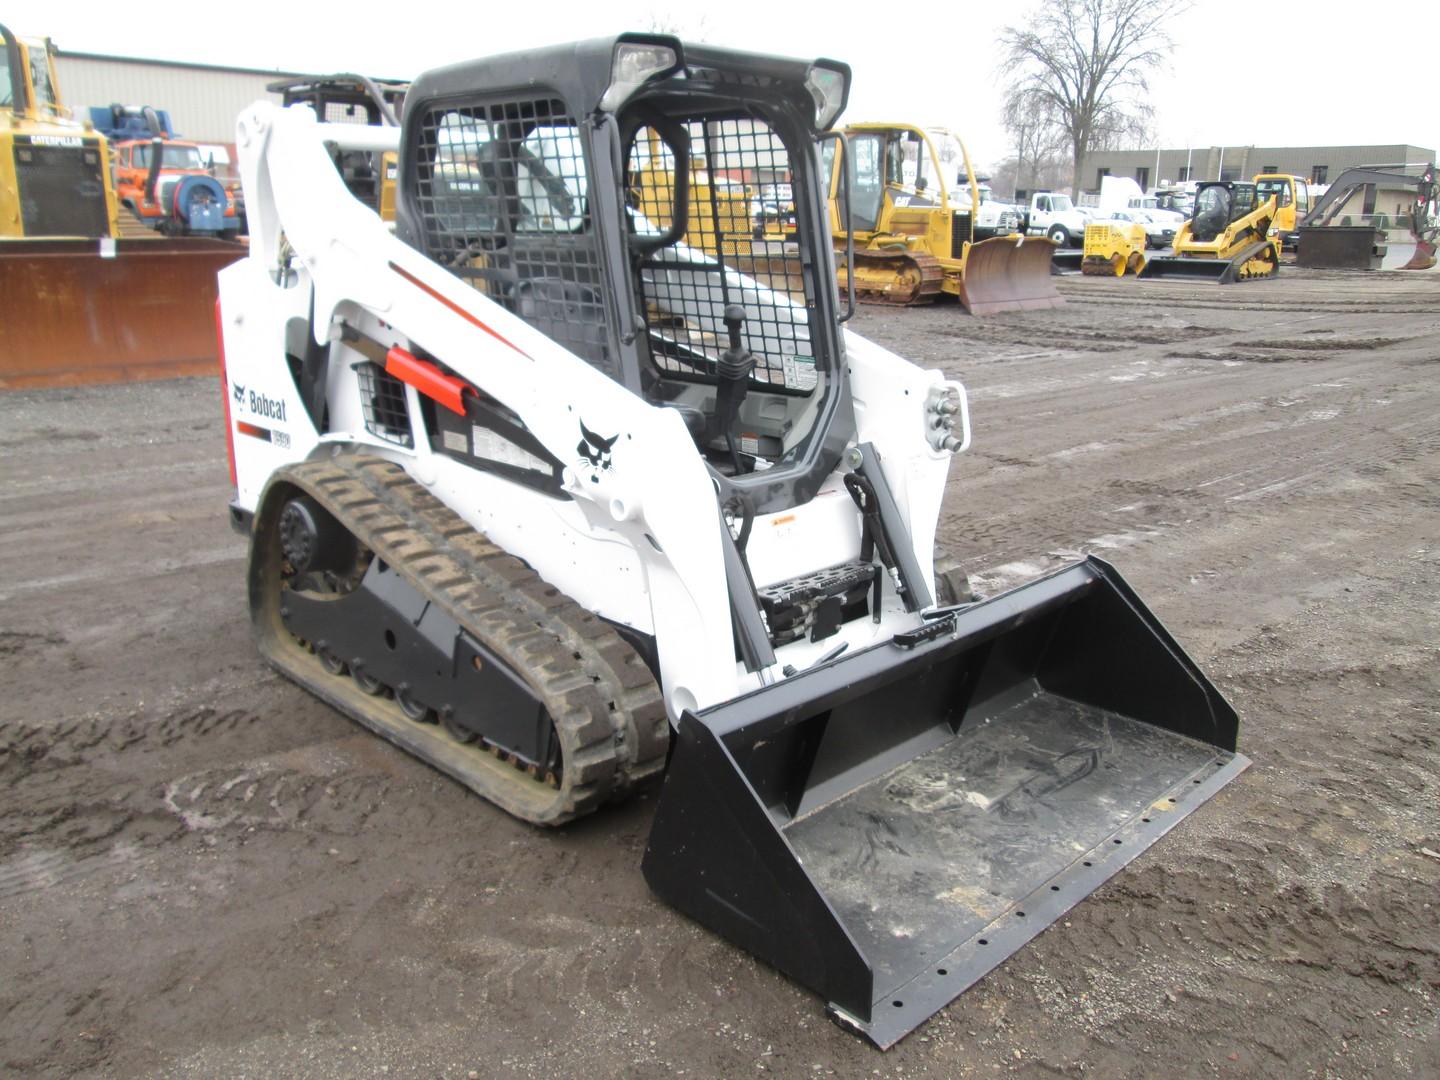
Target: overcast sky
{"x":1241,"y":74}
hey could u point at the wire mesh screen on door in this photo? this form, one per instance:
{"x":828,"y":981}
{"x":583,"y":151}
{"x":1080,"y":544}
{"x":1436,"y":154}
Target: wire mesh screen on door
{"x":502,"y":193}
{"x":737,"y":248}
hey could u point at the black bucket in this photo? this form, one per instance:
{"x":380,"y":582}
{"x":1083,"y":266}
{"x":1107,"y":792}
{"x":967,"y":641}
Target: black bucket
{"x":888,"y":827}
{"x":1220,"y":271}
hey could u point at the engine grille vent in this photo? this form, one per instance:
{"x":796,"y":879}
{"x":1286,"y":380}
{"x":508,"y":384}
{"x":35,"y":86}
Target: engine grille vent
{"x":959,"y":233}
{"x":382,"y":398}
{"x":62,"y":189}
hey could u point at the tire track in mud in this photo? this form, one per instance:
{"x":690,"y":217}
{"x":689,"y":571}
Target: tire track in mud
{"x":88,"y":794}
{"x":1246,"y":457}
{"x":200,"y":893}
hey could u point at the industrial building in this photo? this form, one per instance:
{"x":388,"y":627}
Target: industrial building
{"x":1317,"y":164}
{"x":203,"y":100}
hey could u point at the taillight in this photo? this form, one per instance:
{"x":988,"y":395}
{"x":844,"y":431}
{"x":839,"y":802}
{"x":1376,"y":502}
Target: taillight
{"x":225,"y":391}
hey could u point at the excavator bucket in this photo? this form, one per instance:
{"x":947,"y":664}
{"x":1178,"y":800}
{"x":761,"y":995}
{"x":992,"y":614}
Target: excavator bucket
{"x":1424,"y":257}
{"x":888,"y":827}
{"x":87,"y":311}
{"x":1008,"y":273}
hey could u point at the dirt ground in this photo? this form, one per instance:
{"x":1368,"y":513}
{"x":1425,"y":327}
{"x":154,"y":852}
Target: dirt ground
{"x":206,"y":872}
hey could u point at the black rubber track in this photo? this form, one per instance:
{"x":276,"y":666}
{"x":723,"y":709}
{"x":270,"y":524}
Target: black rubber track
{"x":604,"y":702}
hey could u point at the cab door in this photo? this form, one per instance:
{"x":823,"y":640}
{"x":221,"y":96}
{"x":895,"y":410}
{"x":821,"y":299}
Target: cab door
{"x":867,"y":180}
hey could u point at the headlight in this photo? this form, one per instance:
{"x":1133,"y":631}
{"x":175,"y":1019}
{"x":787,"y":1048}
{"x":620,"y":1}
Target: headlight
{"x":827,"y":86}
{"x":634,"y":62}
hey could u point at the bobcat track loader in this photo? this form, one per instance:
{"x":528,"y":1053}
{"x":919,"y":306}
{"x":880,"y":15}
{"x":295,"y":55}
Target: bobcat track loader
{"x":1227,"y":239}
{"x":549,"y":499}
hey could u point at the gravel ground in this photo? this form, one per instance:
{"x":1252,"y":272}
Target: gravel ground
{"x":206,"y":872}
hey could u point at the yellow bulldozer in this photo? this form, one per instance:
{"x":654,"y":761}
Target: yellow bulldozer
{"x":82,"y":303}
{"x":54,"y":173}
{"x":1228,"y":238}
{"x":917,"y":237}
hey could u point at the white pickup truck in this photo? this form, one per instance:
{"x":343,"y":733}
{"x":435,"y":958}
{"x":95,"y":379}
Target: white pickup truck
{"x":994,"y":218}
{"x":1053,"y":215}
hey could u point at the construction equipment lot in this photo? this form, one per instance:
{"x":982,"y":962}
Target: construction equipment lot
{"x":205,"y":871}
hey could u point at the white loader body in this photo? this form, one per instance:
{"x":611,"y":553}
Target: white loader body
{"x":637,"y":542}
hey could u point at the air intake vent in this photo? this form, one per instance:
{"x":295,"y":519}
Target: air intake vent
{"x":382,"y":397}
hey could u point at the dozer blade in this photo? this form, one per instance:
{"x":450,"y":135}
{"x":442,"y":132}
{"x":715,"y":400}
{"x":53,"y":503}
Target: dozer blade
{"x":888,"y":827}
{"x":75,"y":313}
{"x":1008,"y":273}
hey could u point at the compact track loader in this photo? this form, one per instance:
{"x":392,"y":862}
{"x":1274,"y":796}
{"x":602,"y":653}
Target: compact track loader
{"x":909,"y":236}
{"x":549,"y":498}
{"x":1227,"y":239}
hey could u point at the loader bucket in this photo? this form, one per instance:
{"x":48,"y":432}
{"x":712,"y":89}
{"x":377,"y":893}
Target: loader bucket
{"x":1008,"y":273}
{"x":1220,"y":271}
{"x":890,"y":826}
{"x":78,"y":311}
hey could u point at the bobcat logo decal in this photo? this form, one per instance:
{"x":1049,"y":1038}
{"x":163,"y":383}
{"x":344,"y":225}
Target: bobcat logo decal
{"x":594,"y":452}
{"x":238,"y":392}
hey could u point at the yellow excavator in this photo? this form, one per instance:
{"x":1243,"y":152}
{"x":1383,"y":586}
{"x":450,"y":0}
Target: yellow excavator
{"x":1292,"y":203}
{"x":82,"y":303}
{"x":917,"y":237}
{"x":1227,"y":239}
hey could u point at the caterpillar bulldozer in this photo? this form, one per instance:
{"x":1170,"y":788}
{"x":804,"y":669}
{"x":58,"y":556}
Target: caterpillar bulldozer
{"x":78,"y":302}
{"x":1227,"y":239}
{"x":911,"y":237}
{"x":553,"y":500}
{"x":54,"y":172}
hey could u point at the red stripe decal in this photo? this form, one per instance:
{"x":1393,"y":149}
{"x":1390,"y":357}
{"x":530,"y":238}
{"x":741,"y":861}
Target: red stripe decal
{"x":457,"y":309}
{"x":428,"y":379}
{"x":253,"y":430}
{"x":225,"y":389}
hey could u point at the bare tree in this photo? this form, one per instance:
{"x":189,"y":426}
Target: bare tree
{"x":1039,"y":138}
{"x":1089,"y":62}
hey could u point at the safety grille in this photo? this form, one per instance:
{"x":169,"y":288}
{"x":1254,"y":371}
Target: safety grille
{"x":382,"y":399}
{"x":501,"y":191}
{"x":62,"y":191}
{"x":734,"y":250}
{"x":959,"y":233}
{"x":349,"y":112}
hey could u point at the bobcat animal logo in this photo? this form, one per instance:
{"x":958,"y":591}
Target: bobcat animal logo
{"x":238,"y":393}
{"x":594,"y":452}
